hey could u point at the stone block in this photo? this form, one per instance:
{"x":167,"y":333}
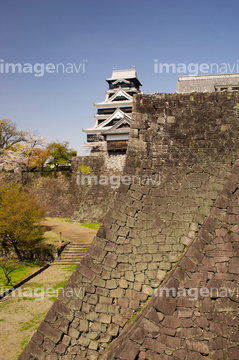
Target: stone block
{"x":102,"y":291}
{"x":93,"y":345}
{"x":171,"y":322}
{"x":66,"y":340}
{"x":153,"y":345}
{"x":96,"y":253}
{"x":119,"y":320}
{"x":198,"y":346}
{"x":130,"y":350}
{"x":83,"y":340}
{"x":123,"y":258}
{"x":124,"y":267}
{"x":209,"y":224}
{"x":105,"y":319}
{"x":113,"y":330}
{"x":117,"y":293}
{"x":50,"y":332}
{"x":149,"y":326}
{"x":37,"y":338}
{"x":111,"y":263}
{"x":111,"y":284}
{"x":147,"y":290}
{"x":173,"y":342}
{"x":60,"y":349}
{"x":194,"y":255}
{"x":51,"y":316}
{"x":35,"y":350}
{"x":152,"y":315}
{"x":101,"y":308}
{"x":83,"y":326}
{"x":92,"y":316}
{"x":138,"y":335}
{"x":129,"y":275}
{"x":123,"y":284}
{"x":87,"y":272}
{"x":134,"y":304}
{"x":48,"y":345}
{"x":99,"y":282}
{"x":234,"y":266}
{"x":89,"y":288}
{"x":165,"y":305}
{"x":73,"y":333}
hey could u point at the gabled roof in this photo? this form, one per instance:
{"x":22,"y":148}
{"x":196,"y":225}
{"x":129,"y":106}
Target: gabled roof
{"x":120,"y":92}
{"x":118,"y":114}
{"x":117,"y":129}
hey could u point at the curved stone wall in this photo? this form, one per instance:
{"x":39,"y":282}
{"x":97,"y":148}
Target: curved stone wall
{"x":191,"y":141}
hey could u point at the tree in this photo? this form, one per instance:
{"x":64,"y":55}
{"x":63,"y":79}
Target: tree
{"x":20,"y":216}
{"x":14,"y":157}
{"x":38,"y":157}
{"x":98,"y":145}
{"x":16,"y":147}
{"x":9,"y":135}
{"x":60,"y":153}
{"x":33,"y":139}
{"x":8,"y":265}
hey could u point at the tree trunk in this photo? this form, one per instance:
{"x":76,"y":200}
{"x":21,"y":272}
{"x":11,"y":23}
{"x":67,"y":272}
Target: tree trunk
{"x":19,"y":256}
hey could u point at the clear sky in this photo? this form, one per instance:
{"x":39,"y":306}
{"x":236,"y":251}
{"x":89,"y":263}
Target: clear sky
{"x":90,"y":38}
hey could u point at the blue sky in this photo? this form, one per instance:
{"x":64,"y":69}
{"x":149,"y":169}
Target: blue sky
{"x":102,"y":35}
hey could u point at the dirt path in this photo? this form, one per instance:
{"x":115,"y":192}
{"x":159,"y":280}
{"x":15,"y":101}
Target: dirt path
{"x":72,"y":232}
{"x":20,"y":315}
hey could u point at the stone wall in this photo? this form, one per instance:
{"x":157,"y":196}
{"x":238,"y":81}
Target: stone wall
{"x":60,"y":195}
{"x":115,"y":162}
{"x":194,"y":314}
{"x":98,"y":196}
{"x":192,"y":142}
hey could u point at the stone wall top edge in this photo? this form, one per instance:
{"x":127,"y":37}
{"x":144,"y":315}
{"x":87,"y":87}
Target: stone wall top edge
{"x":185,"y":95}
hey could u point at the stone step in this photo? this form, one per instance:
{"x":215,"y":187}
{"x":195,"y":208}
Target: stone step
{"x":72,"y":254}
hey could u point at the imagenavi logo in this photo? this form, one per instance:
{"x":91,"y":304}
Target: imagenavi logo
{"x":195,"y":68}
{"x":40,"y":69}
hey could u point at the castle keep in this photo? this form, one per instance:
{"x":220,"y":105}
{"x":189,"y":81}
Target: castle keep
{"x":113,"y":116}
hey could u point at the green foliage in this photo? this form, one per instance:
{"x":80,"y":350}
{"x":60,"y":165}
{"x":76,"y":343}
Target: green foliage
{"x":20,"y":216}
{"x":60,"y":153}
{"x":7,"y":266}
{"x":21,"y":272}
{"x":9,"y":135}
{"x":83,"y":169}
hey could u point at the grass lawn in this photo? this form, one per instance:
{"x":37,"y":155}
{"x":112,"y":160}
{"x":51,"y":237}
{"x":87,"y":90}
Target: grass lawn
{"x":27,"y":268}
{"x":52,"y":239}
{"x":94,"y":226}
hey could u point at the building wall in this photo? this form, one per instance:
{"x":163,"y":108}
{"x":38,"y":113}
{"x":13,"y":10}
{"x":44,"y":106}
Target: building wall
{"x":206,"y":83}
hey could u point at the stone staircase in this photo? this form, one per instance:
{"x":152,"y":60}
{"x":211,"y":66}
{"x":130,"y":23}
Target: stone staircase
{"x":72,"y":254}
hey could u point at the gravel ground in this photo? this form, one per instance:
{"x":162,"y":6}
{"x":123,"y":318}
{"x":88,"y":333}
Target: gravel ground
{"x":20,"y":315}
